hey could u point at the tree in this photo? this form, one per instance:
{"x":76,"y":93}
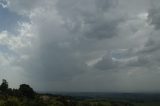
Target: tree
{"x":26,"y":91}
{"x":4,"y":85}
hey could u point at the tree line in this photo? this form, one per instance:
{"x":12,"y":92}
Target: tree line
{"x":26,"y":96}
{"x":24,"y":90}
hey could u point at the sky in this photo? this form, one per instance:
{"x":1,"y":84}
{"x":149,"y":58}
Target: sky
{"x":81,"y":45}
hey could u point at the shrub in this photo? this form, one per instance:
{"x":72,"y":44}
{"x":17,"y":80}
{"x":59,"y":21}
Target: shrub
{"x":12,"y":102}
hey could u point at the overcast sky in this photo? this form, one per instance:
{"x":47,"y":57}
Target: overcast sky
{"x":81,"y":45}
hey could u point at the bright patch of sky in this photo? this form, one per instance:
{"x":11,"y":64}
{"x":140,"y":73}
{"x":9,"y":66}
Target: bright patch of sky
{"x":9,"y":20}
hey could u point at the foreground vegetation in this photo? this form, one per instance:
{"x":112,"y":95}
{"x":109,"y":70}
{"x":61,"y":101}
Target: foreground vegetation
{"x":64,"y":101}
{"x":26,"y":96}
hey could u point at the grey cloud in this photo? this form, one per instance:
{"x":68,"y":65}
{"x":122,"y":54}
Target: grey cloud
{"x":101,"y":29}
{"x":26,"y":7}
{"x":154,"y":14}
{"x":21,"y":6}
{"x":104,"y":5}
{"x":150,"y":46}
{"x":75,"y":21}
{"x":53,"y":63}
{"x":93,"y":19}
{"x":68,"y":34}
{"x":140,"y":61}
{"x":106,"y":63}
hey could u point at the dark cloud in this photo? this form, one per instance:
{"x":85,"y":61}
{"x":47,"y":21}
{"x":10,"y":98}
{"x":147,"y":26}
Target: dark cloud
{"x":56,"y":63}
{"x":105,"y":5}
{"x":140,"y":61}
{"x":93,"y":19}
{"x":154,"y":16}
{"x":63,"y":46}
{"x":101,"y":29}
{"x":107,"y":63}
{"x":150,"y":46}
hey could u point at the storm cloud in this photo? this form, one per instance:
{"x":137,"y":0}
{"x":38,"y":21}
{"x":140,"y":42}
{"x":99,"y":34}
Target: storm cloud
{"x":82,"y":45}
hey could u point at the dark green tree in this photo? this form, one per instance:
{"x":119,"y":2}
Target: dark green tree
{"x":26,"y":91}
{"x":4,"y":86}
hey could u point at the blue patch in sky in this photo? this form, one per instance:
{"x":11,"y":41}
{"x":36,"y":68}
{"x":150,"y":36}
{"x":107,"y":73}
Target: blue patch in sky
{"x":3,"y":48}
{"x":9,"y":19}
